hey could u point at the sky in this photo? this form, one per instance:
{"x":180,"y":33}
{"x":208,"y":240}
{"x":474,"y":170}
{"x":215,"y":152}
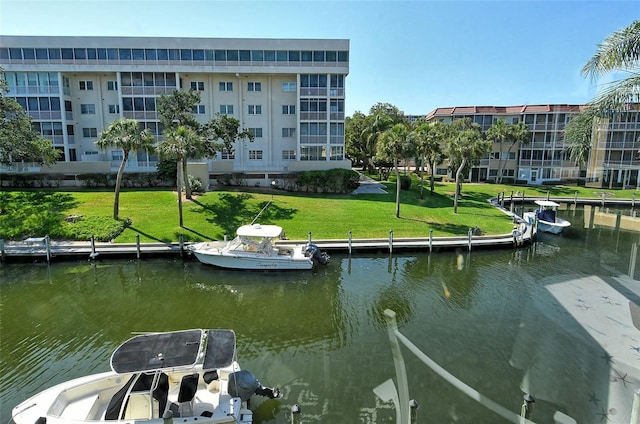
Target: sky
{"x":416,"y":55}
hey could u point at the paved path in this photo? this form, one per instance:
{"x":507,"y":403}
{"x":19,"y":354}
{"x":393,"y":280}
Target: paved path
{"x":369,"y":186}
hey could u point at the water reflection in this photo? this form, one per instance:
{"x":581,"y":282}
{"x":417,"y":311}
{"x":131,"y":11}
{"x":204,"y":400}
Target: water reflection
{"x":499,"y":320}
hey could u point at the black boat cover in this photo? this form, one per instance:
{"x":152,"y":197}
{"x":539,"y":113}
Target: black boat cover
{"x":157,"y":351}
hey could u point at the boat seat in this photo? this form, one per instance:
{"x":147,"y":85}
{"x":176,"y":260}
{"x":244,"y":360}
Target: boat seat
{"x":188,"y":388}
{"x":141,"y":406}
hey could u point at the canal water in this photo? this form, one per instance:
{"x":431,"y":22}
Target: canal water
{"x":321,"y":336}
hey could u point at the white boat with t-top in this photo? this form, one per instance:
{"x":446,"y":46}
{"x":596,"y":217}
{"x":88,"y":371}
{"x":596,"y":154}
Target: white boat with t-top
{"x":255,"y":247}
{"x":546,"y":216}
{"x":188,"y":376}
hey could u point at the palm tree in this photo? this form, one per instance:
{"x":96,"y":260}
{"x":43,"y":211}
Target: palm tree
{"x":500,"y":132}
{"x":125,"y":134}
{"x":465,"y":145}
{"x":428,"y":140}
{"x":618,"y":53}
{"x":394,"y":145}
{"x":178,"y":145}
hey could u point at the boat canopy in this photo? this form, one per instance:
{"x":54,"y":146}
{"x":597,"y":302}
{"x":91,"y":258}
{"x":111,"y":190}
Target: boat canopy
{"x":546,"y":203}
{"x":158,"y":351}
{"x":257,"y":230}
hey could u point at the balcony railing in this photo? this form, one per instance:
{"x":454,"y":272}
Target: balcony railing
{"x":313,"y":116}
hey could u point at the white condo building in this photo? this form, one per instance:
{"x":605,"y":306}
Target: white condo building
{"x":290,"y":93}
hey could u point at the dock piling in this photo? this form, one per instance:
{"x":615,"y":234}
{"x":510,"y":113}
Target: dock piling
{"x":181,"y":241}
{"x":93,"y":254}
{"x":470,"y":237}
{"x":349,"y":246}
{"x":309,"y":235}
{"x":47,"y":246}
{"x":390,"y":241}
{"x":138,"y":246}
{"x":431,"y":240}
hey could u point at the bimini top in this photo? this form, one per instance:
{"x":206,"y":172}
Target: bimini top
{"x":157,"y":351}
{"x":546,"y":203}
{"x":257,"y":230}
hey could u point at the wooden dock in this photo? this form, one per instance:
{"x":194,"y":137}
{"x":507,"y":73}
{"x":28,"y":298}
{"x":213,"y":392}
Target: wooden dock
{"x":48,"y":250}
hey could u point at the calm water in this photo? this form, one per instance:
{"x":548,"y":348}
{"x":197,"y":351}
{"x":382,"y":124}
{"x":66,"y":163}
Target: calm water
{"x":320,"y":336}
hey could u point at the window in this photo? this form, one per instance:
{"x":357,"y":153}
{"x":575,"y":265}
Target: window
{"x":198,"y":110}
{"x":226,"y":155}
{"x":288,"y":109}
{"x":288,"y":154}
{"x":88,"y":109}
{"x":197,"y":85}
{"x":288,"y":87}
{"x":255,"y":109}
{"x":112,"y":85}
{"x":226,"y":86}
{"x":255,"y":154}
{"x":256,"y":132}
{"x":86,"y":85}
{"x":337,"y":153}
{"x":226,"y":109}
{"x":288,"y":132}
{"x":89,"y":132}
{"x":114,"y":108}
{"x":254,"y":86}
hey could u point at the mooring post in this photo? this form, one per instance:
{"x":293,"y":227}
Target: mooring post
{"x":309,"y":237}
{"x":181,"y":241}
{"x":93,"y":254}
{"x":502,"y":201}
{"x":527,"y":407}
{"x":522,"y":196}
{"x":296,"y":414}
{"x":511,"y":202}
{"x":575,"y":198}
{"x":138,"y":246}
{"x":548,"y":194}
{"x":2,"y":252}
{"x":602,"y":200}
{"x":350,"y":235}
{"x":430,"y":240}
{"x":470,"y":237}
{"x":633,"y":200}
{"x":390,"y":241}
{"x":413,"y":406}
{"x":47,"y":247}
{"x":401,"y":371}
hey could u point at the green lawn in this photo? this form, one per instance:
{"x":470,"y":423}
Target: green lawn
{"x":154,"y":213}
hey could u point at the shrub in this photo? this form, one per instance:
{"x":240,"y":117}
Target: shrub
{"x":405,"y":182}
{"x":195,"y":184}
{"x":330,"y":181}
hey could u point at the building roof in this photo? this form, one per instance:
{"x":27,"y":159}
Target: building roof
{"x":503,"y":110}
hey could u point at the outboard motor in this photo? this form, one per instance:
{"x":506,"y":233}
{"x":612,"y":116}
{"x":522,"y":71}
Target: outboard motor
{"x":312,"y":251}
{"x":243,"y":384}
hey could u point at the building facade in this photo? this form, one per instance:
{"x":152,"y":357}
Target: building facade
{"x":289,"y":93}
{"x":613,"y":161}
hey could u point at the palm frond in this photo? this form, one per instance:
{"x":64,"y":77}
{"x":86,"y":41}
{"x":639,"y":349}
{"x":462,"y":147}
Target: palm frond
{"x":619,"y":51}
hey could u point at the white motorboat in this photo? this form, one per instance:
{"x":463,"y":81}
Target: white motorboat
{"x":190,"y":375}
{"x":546,"y":217}
{"x":255,"y":247}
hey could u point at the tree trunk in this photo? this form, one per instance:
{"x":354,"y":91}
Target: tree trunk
{"x":179,"y":181}
{"x":116,"y":200}
{"x":422,"y":179}
{"x":185,"y":176}
{"x":499,"y":176}
{"x":457,"y":192}
{"x":432,"y":177}
{"x":397,"y":190}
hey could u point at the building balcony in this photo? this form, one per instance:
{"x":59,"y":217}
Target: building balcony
{"x":313,"y":116}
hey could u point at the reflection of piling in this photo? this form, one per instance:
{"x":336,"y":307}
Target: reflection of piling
{"x":138,"y":246}
{"x":93,"y":254}
{"x":47,"y":246}
{"x":390,"y":241}
{"x":350,"y":236}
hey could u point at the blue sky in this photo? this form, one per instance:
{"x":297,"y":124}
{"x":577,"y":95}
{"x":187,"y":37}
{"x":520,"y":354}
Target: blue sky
{"x":416,"y":55}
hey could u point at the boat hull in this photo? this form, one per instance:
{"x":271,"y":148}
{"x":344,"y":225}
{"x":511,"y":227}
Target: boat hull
{"x":231,"y":261}
{"x":546,"y":226}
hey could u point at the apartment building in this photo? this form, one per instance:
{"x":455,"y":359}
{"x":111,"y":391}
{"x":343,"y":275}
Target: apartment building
{"x":613,"y":160}
{"x":290,"y":93}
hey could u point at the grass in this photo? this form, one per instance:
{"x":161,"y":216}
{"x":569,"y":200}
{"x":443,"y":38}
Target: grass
{"x":154,"y":213}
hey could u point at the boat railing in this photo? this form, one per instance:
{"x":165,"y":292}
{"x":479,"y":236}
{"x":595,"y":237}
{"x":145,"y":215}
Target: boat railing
{"x":406,"y":408}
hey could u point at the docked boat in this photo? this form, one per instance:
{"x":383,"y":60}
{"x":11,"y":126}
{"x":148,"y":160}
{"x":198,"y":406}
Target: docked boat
{"x":546,"y":217}
{"x":255,"y":247}
{"x":190,"y":375}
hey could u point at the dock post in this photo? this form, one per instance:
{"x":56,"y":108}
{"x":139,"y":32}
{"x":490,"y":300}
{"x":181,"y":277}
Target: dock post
{"x":511,"y":202}
{"x":522,"y":197}
{"x":390,"y":241}
{"x":470,"y":237}
{"x":181,"y":241}
{"x":502,"y":201}
{"x":295,"y":414}
{"x":47,"y":247}
{"x":350,"y":235}
{"x":633,"y":201}
{"x":413,"y":407}
{"x":431,"y":240}
{"x":548,"y":194}
{"x":93,"y":254}
{"x":2,"y":252}
{"x":602,"y":202}
{"x":527,"y":407}
{"x":138,"y":246}
{"x":309,"y":235}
